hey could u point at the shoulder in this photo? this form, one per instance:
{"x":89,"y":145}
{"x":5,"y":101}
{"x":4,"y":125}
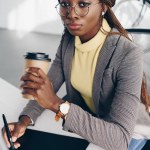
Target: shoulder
{"x":66,"y":37}
{"x":125,"y":51}
{"x":123,"y":45}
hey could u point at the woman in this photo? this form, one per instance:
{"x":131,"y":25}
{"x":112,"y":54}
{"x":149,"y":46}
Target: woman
{"x":102,"y":69}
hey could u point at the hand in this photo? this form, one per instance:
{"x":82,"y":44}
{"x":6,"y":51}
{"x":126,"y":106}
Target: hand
{"x":37,"y":84}
{"x":17,"y":129}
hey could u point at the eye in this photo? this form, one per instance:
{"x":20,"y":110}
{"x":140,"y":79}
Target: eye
{"x":64,"y":4}
{"x":83,"y":4}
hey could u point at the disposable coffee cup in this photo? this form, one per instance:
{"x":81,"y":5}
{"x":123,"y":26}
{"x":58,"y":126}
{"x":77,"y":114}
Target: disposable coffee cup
{"x":39,"y":60}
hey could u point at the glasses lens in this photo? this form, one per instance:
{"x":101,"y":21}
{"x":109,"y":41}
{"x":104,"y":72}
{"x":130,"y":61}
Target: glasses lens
{"x":62,"y":11}
{"x":81,"y":11}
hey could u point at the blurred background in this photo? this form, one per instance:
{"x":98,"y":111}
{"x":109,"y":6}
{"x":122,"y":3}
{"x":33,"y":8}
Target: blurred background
{"x":26,"y":25}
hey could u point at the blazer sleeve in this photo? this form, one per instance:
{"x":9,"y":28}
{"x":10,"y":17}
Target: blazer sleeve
{"x":56,"y":76}
{"x":113,"y":133}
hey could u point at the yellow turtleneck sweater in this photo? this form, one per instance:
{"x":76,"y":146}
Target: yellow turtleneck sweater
{"x":84,"y":63}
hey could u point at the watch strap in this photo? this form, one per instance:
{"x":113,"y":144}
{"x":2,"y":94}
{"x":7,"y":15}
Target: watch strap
{"x":59,"y":115}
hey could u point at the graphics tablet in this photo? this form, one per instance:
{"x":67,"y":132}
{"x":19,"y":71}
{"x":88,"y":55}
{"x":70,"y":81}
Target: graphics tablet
{"x":38,"y":140}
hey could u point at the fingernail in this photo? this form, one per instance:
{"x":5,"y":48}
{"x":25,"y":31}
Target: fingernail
{"x":14,"y":139}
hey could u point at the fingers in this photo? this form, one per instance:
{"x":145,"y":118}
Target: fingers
{"x":37,"y":71}
{"x":31,"y":80}
{"x":29,"y":91}
{"x":17,"y":145}
{"x":42,"y":74}
{"x":31,"y":77}
{"x":14,"y":138}
{"x":31,"y":85}
{"x":5,"y":137}
{"x":16,"y":133}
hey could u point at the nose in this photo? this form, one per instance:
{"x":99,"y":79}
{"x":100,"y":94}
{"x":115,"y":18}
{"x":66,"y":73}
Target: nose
{"x":71,"y":12}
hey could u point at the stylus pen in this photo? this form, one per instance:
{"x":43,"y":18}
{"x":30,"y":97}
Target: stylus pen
{"x":8,"y":133}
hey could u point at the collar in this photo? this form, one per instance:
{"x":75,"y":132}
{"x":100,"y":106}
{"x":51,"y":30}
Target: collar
{"x":95,"y":42}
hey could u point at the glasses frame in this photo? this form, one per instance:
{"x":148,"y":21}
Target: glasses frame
{"x":74,"y":7}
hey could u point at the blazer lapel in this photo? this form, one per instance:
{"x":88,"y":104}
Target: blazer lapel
{"x":72,"y":94}
{"x":68,"y":58}
{"x":102,"y":62}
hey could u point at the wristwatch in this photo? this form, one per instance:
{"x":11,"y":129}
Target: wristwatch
{"x":63,"y":110}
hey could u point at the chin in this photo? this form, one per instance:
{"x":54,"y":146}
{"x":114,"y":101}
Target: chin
{"x":75,"y":33}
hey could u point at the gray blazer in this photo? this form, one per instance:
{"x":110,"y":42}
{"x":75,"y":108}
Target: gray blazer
{"x":116,"y":92}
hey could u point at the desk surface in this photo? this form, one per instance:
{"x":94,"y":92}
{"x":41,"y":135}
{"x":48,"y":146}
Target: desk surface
{"x":11,"y":104}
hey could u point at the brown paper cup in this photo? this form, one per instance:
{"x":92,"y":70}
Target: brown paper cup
{"x":44,"y":64}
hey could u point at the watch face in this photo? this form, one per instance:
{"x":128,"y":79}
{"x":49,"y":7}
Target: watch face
{"x":64,"y":108}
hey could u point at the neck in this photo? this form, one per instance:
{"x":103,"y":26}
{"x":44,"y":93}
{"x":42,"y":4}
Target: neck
{"x":88,"y":36}
{"x":85,"y":38}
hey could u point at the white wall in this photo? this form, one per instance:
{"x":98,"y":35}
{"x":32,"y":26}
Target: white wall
{"x":30,"y":15}
{"x":41,"y":16}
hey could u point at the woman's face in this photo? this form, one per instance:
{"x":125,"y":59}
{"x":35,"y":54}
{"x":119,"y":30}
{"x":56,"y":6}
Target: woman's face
{"x":86,"y":26}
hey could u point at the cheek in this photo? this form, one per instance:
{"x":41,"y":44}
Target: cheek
{"x":93,"y":21}
{"x":95,"y":13}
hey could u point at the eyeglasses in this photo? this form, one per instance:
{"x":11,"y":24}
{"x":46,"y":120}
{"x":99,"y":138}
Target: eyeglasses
{"x":81,"y":9}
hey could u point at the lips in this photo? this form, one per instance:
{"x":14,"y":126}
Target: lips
{"x":74,"y":26}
